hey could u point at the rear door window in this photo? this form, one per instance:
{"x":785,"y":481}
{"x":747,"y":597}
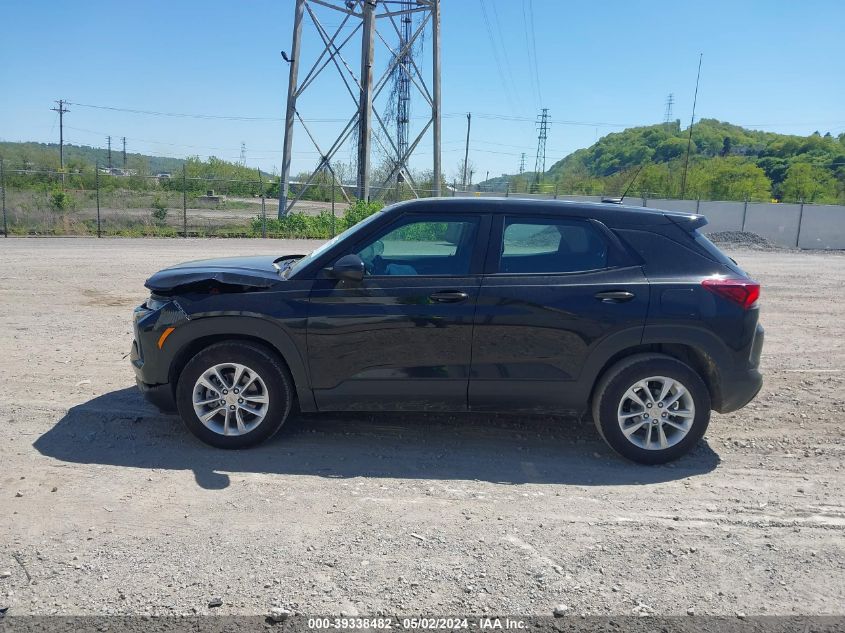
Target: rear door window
{"x":551,"y":245}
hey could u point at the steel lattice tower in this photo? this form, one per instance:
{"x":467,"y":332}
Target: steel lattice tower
{"x":670,"y":101}
{"x":359,"y":20}
{"x":403,"y":80}
{"x":542,"y":134}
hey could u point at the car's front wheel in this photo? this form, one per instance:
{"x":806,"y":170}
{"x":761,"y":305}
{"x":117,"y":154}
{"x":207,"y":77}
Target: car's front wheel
{"x":651,"y":408}
{"x":234,"y":394}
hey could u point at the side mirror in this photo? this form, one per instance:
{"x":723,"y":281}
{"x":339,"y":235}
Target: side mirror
{"x":348,"y":267}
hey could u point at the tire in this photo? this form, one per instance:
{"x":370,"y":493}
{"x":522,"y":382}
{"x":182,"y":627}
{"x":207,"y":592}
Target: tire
{"x":255,"y":407}
{"x":619,"y":398}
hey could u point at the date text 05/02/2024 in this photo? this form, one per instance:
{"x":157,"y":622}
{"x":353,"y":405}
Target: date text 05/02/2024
{"x":417,"y":623}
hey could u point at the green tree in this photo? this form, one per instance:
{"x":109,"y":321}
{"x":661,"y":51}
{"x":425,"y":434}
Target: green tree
{"x":809,"y":183}
{"x":730,"y":178}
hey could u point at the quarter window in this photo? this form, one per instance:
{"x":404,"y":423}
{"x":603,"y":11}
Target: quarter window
{"x":541,"y":245}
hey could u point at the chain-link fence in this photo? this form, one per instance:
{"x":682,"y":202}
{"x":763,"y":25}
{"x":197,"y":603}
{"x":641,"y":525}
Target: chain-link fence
{"x":106,"y":202}
{"x":116,"y":203}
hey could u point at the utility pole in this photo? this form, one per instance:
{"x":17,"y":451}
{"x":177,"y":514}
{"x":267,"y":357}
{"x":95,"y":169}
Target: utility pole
{"x":435,"y":81}
{"x":293,"y":74}
{"x":543,"y":131}
{"x":3,"y":194}
{"x":365,"y":110}
{"x":108,"y":140}
{"x":466,"y":151}
{"x":124,"y":153}
{"x":692,"y":120}
{"x":61,"y":109}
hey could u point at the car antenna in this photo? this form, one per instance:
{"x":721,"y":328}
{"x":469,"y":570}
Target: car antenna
{"x":625,"y":193}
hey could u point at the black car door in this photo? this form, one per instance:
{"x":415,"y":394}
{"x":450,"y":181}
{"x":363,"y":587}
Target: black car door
{"x":401,"y":338}
{"x":555,"y":290}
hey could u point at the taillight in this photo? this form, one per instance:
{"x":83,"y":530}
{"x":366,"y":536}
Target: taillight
{"x":744,"y":292}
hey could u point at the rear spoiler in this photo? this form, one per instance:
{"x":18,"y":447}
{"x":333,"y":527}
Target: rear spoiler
{"x":687,"y":221}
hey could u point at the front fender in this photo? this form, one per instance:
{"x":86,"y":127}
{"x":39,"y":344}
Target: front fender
{"x":184,"y":339}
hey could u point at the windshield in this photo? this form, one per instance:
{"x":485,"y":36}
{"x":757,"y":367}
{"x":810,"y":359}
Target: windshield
{"x":320,"y":250}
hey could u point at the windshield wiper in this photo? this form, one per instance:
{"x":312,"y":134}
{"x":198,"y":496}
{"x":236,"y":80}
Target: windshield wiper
{"x":286,"y":263}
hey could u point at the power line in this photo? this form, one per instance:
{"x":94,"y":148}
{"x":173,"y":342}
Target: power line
{"x":505,"y":87}
{"x":507,"y":57}
{"x":450,"y":115}
{"x":174,"y":114}
{"x":534,"y":48}
{"x":480,"y":115}
{"x":531,"y":48}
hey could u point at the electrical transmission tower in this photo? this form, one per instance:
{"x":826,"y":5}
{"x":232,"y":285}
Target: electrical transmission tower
{"x":61,"y":109}
{"x":403,"y":80}
{"x":542,"y":134}
{"x":243,"y":154}
{"x":108,"y":140}
{"x":522,"y":164}
{"x":124,"y":153}
{"x":670,"y":101}
{"x":403,"y":21}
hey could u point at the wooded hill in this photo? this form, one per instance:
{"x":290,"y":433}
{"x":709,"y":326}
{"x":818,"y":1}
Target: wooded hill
{"x":80,"y":157}
{"x":727,"y":162}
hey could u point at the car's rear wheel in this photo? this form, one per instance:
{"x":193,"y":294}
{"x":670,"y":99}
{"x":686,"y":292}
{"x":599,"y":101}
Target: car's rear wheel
{"x":234,"y":394}
{"x":651,"y":408}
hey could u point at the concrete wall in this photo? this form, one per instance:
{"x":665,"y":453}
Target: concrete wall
{"x":821,"y":226}
{"x":722,"y":216}
{"x":778,"y":223}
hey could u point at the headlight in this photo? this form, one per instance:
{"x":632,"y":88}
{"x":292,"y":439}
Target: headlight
{"x":156,"y":303}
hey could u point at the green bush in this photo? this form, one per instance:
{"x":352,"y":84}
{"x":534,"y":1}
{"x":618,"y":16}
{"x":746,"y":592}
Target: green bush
{"x":61,"y":201}
{"x":159,"y":212}
{"x":300,"y":225}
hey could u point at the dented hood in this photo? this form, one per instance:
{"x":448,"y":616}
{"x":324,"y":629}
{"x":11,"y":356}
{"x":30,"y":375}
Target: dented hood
{"x":255,"y":271}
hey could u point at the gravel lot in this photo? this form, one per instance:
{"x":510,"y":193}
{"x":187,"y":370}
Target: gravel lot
{"x":110,"y":507}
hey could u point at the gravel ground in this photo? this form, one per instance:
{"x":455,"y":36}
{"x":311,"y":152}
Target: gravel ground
{"x":742,"y":239}
{"x":110,"y":507}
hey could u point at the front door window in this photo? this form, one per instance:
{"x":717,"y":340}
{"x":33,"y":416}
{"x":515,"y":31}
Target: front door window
{"x":421,"y":247}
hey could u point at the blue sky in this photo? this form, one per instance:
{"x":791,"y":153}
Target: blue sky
{"x":776,"y":65}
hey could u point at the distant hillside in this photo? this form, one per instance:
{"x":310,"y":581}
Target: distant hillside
{"x":46,"y":156}
{"x":727,"y":162}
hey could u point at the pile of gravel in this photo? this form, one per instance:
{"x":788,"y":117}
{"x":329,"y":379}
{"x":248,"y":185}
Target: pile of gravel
{"x":741,"y":239}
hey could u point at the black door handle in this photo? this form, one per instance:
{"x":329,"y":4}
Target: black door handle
{"x":614,"y":296}
{"x":449,"y":296}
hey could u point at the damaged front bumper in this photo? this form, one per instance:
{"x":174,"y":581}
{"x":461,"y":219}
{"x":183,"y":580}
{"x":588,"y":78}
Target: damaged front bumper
{"x":149,"y":356}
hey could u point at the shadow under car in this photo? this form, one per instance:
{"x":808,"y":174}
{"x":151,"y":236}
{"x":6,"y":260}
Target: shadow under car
{"x":121,"y":429}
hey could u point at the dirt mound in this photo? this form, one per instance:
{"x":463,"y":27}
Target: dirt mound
{"x":743,"y":239}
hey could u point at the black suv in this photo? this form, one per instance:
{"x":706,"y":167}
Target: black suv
{"x":464,"y":305}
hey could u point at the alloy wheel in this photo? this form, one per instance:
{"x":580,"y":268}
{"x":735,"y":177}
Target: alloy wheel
{"x":656,"y":413}
{"x":230,"y":399}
